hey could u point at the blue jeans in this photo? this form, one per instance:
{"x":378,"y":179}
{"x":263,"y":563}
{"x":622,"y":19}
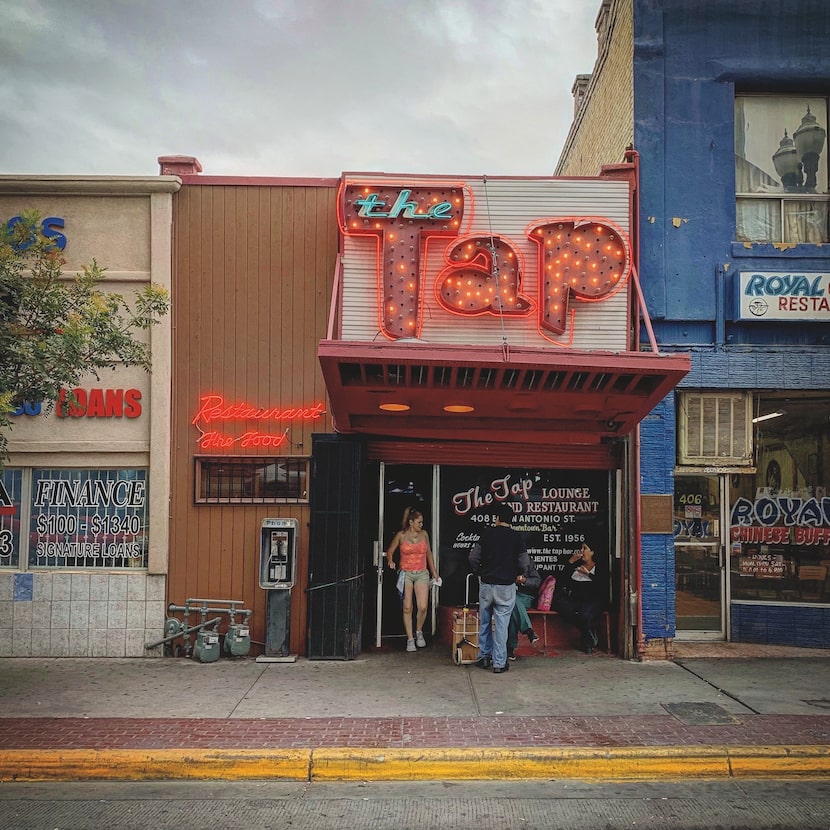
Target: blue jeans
{"x":495,"y":605}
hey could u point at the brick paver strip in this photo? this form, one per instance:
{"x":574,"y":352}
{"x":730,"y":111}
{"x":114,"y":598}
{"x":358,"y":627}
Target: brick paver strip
{"x":406,"y":732}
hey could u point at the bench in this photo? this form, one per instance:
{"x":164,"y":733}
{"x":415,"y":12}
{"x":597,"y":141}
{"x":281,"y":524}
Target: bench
{"x":541,"y":620}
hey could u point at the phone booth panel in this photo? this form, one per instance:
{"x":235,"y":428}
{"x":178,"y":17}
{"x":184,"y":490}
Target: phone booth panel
{"x":277,"y":574}
{"x":278,"y":553}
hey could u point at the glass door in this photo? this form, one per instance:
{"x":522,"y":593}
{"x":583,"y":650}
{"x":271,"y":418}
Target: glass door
{"x":699,"y":550}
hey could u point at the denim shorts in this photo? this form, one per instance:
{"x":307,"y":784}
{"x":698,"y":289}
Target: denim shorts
{"x":414,"y":577}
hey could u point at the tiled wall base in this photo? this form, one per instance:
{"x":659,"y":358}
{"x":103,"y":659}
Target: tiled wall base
{"x":787,"y":625}
{"x":60,"y":614}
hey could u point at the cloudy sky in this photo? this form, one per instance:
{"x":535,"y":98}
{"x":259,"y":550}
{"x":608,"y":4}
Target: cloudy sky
{"x":290,"y":87}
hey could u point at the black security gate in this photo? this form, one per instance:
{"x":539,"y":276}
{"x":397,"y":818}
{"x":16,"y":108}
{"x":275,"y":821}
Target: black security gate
{"x":336,"y":563}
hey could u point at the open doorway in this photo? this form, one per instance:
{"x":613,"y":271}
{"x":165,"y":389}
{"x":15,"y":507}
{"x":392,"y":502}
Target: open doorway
{"x":402,"y":486}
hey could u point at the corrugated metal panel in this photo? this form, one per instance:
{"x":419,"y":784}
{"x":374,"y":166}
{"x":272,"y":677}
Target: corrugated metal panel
{"x":505,"y":207}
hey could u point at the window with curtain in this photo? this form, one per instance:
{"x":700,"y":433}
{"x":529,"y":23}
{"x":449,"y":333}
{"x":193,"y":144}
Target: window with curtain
{"x":781,"y":178}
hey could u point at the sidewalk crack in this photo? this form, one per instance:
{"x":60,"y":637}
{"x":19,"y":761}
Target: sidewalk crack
{"x":473,"y":693}
{"x":718,"y":688}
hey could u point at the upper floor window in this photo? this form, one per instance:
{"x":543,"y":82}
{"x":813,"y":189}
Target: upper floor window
{"x":781,"y":168}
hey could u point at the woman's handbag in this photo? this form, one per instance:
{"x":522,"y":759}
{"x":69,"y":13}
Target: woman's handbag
{"x":546,"y":593}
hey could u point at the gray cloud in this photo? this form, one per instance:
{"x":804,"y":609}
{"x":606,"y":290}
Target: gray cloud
{"x":290,"y":87}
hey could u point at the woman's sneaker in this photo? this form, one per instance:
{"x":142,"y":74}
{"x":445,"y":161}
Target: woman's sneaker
{"x":532,"y":636}
{"x":419,"y":639}
{"x":410,"y":645}
{"x":511,"y":654}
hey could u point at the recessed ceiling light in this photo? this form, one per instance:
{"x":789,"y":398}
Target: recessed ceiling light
{"x":394,"y":407}
{"x":459,"y":407}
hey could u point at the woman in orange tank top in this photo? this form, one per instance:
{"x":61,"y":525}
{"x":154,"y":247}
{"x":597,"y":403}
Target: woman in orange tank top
{"x":418,"y":566}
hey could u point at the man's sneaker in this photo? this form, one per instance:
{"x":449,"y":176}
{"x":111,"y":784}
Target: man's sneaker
{"x":484,"y":662}
{"x":532,"y":636}
{"x":511,"y":654}
{"x":419,"y":639}
{"x":410,"y":645}
{"x":593,"y":636}
{"x":500,"y":669}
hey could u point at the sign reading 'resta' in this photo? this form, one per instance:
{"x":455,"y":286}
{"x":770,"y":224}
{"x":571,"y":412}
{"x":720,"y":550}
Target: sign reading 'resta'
{"x":785,"y":295}
{"x":480,"y":261}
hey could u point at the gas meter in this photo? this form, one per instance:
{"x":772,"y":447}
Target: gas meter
{"x":238,"y":640}
{"x":206,"y":649}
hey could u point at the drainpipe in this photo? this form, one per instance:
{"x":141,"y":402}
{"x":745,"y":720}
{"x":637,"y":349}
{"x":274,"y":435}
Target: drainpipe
{"x":720,"y":300}
{"x":636,"y":599}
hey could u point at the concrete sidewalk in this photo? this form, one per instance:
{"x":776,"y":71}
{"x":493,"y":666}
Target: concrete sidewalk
{"x":393,"y":715}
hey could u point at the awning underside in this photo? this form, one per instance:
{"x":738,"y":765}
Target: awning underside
{"x":499,"y":394}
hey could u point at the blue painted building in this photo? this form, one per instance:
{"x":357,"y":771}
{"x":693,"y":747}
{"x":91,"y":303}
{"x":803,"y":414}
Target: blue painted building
{"x":724,"y":107}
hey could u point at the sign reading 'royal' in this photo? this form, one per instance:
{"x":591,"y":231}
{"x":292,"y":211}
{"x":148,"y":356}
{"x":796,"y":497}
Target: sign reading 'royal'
{"x":773,"y":295}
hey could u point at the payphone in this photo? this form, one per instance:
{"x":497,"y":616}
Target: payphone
{"x":277,"y":574}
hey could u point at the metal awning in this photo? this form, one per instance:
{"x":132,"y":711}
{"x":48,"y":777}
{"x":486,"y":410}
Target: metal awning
{"x":492,"y":393}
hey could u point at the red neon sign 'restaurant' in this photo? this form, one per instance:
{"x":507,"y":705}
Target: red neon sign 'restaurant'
{"x":216,"y":408}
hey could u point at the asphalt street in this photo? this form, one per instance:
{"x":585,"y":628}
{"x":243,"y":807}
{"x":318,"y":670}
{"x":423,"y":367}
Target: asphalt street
{"x":463,"y":805}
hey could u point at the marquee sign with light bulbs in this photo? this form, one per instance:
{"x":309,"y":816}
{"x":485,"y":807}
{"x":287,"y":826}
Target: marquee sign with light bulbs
{"x":476,"y":261}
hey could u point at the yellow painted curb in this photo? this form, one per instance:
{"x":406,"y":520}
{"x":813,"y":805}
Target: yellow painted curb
{"x":463,"y":763}
{"x":612,"y":764}
{"x":628,"y":763}
{"x":153,"y":764}
{"x":787,"y":761}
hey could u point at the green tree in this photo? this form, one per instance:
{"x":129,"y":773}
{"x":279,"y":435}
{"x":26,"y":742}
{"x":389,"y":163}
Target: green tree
{"x":55,"y":327}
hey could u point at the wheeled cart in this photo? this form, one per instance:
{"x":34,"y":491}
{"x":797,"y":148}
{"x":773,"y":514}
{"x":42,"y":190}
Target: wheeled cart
{"x":465,"y":631}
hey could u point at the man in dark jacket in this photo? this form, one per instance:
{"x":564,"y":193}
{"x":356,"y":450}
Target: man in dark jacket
{"x":501,"y":561}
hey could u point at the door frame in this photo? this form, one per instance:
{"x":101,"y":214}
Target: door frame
{"x":379,"y":553}
{"x":722,"y":546}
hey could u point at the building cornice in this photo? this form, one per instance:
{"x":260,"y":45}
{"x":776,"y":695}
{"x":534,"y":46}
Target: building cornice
{"x":89,"y":185}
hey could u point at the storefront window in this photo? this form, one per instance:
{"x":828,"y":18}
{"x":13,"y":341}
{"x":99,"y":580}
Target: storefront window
{"x":88,"y":518}
{"x":10,"y":497}
{"x":780,"y":516}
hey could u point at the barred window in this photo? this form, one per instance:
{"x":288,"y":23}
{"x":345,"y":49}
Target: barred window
{"x":245,"y":480}
{"x":88,"y":518}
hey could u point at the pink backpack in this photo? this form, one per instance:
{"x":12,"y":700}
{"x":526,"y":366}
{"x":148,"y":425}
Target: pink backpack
{"x":546,"y":590}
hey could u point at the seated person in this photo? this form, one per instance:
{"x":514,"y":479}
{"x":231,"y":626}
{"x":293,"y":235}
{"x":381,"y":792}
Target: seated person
{"x":580,"y":596}
{"x":527,"y":586}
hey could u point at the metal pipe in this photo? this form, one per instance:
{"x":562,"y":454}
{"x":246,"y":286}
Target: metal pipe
{"x":184,"y":631}
{"x":209,"y":610}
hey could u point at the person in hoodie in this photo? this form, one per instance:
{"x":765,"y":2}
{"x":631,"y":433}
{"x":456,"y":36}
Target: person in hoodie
{"x":526,"y":590}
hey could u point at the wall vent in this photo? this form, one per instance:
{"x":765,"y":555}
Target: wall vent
{"x":715,"y":429}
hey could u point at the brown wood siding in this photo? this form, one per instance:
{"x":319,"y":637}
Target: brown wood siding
{"x":569,"y":457}
{"x":253,"y":272}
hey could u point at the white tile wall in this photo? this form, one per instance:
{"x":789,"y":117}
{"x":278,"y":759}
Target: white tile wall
{"x":83,"y":615}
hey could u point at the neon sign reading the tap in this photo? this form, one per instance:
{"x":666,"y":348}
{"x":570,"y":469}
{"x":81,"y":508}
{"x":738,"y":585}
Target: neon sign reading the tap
{"x":582,"y":258}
